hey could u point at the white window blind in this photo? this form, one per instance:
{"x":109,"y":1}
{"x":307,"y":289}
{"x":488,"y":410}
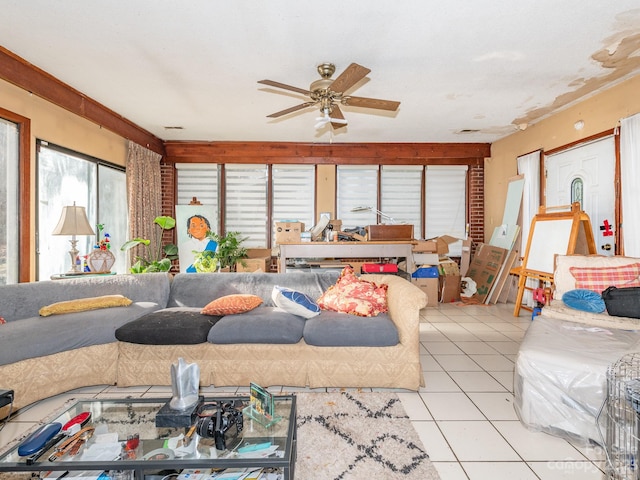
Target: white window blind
{"x":200,"y":180}
{"x":357,"y":186}
{"x":9,"y":201}
{"x":246,"y":203}
{"x":446,"y":203}
{"x":293,"y":194}
{"x":401,"y":194}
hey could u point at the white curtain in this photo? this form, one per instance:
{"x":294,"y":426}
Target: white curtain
{"x":529,"y":166}
{"x":629,"y":185}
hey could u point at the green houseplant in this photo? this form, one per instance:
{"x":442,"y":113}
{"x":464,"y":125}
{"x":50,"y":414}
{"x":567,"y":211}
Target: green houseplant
{"x":157,"y":259}
{"x":229,"y":252}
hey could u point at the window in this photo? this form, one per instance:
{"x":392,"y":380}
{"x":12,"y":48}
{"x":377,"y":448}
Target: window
{"x":446,"y":203}
{"x":401,"y":193}
{"x":65,"y":177}
{"x":246,"y":203}
{"x":357,"y":186}
{"x":293,"y":194}
{"x":199,"y":180}
{"x":9,"y":202}
{"x":246,"y":193}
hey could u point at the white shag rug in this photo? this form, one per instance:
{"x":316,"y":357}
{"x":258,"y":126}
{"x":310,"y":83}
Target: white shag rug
{"x":349,"y":435}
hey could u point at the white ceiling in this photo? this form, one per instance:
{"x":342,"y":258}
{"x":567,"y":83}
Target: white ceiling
{"x":486,"y":65}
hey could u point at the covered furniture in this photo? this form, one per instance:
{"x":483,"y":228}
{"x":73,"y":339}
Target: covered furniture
{"x":561,"y":366}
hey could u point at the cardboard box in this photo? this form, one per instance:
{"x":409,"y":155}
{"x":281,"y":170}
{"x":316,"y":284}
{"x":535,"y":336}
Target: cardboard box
{"x":442,"y":243}
{"x":289,"y":232}
{"x":449,"y":288}
{"x":258,"y":260}
{"x":383,"y":233}
{"x":430,"y":287}
{"x":425,"y":246}
{"x":485,"y":267}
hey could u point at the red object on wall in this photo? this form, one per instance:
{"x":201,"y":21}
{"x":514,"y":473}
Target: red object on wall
{"x":606,"y":229}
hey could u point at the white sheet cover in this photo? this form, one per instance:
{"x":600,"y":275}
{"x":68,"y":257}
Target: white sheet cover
{"x":560,"y":375}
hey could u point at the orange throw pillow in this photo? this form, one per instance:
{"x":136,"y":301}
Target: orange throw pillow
{"x":355,"y":296}
{"x":232,"y":304}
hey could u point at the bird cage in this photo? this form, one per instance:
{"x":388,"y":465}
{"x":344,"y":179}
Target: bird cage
{"x":619,"y":418}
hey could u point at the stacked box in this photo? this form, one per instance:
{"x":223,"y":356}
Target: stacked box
{"x":289,"y":232}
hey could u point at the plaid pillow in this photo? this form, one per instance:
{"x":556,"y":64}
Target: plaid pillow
{"x":599,"y":279}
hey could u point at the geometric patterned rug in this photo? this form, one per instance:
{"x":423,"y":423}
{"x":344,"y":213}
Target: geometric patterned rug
{"x":358,"y":435}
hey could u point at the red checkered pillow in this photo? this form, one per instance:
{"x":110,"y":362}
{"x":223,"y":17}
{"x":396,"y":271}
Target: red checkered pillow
{"x":599,"y":279}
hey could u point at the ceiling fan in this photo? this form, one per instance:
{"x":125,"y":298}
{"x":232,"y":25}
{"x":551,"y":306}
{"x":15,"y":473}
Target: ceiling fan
{"x":329,"y":94}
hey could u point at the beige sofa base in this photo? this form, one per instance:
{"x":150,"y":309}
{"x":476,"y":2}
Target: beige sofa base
{"x":36,"y":378}
{"x":298,"y":365}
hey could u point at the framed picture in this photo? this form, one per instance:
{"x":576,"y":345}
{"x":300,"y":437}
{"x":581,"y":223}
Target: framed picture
{"x":192,"y":224}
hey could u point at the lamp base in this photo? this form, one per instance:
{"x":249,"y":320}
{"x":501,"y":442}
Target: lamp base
{"x":76,"y":266}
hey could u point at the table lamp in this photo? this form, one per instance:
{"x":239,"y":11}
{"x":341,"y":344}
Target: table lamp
{"x":371,"y":209}
{"x":73,"y":221}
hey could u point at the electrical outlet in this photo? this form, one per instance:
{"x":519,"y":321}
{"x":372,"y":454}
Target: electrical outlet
{"x":6,"y":397}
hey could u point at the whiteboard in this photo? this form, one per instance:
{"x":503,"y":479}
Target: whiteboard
{"x":548,"y":238}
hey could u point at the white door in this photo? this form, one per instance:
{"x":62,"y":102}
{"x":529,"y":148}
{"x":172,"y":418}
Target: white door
{"x":586,"y":174}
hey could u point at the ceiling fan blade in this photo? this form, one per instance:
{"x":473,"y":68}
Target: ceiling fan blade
{"x":370,"y":103}
{"x":291,"y":110}
{"x":336,"y":114}
{"x":347,"y":79}
{"x":271,"y":83}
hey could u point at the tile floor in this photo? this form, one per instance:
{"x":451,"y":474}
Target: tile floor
{"x":464,"y":415}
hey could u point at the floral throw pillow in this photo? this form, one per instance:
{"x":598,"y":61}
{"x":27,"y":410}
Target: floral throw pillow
{"x":599,"y":279}
{"x":232,"y":304}
{"x":355,"y":296}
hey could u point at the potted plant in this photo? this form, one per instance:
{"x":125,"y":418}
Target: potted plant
{"x":229,"y":252}
{"x":159,"y":258}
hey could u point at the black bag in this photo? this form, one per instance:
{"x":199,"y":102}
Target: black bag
{"x":622,"y":302}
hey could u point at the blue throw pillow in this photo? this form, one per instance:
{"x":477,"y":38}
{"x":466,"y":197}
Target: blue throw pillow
{"x":585,"y":300}
{"x":294,"y":302}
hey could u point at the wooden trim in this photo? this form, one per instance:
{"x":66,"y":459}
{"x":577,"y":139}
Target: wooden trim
{"x":588,"y":139}
{"x":24,"y":192}
{"x":334,"y":154}
{"x":21,"y":73}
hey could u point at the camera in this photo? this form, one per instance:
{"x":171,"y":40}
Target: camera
{"x":226,"y":422}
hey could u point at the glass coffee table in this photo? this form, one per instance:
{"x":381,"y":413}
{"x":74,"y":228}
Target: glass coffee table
{"x":121,"y":439}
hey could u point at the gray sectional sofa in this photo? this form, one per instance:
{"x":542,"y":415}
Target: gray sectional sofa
{"x":44,"y":356}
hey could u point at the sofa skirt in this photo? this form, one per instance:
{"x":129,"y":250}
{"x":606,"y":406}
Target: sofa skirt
{"x":36,"y":378}
{"x":294,"y":365}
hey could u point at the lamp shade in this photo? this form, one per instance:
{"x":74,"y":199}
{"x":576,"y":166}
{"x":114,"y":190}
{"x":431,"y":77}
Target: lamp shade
{"x":73,"y":221}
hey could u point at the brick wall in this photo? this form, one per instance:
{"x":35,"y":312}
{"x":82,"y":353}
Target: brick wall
{"x":168,"y":172}
{"x":476,"y":203}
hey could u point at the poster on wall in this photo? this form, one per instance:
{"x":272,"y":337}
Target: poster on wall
{"x":192,"y":224}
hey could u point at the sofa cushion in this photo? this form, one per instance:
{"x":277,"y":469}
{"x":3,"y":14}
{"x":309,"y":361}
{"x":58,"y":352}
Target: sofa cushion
{"x":232,"y":304}
{"x":335,"y":329}
{"x":355,"y":296}
{"x":260,"y":325}
{"x":85,"y":304}
{"x":584,"y":300}
{"x":36,"y":336}
{"x":295,"y":302}
{"x":600,"y":278}
{"x":169,"y":326}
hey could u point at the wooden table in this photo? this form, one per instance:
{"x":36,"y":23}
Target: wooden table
{"x":400,"y":249}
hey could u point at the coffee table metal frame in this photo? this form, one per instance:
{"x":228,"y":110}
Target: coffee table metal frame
{"x":286,"y":463}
